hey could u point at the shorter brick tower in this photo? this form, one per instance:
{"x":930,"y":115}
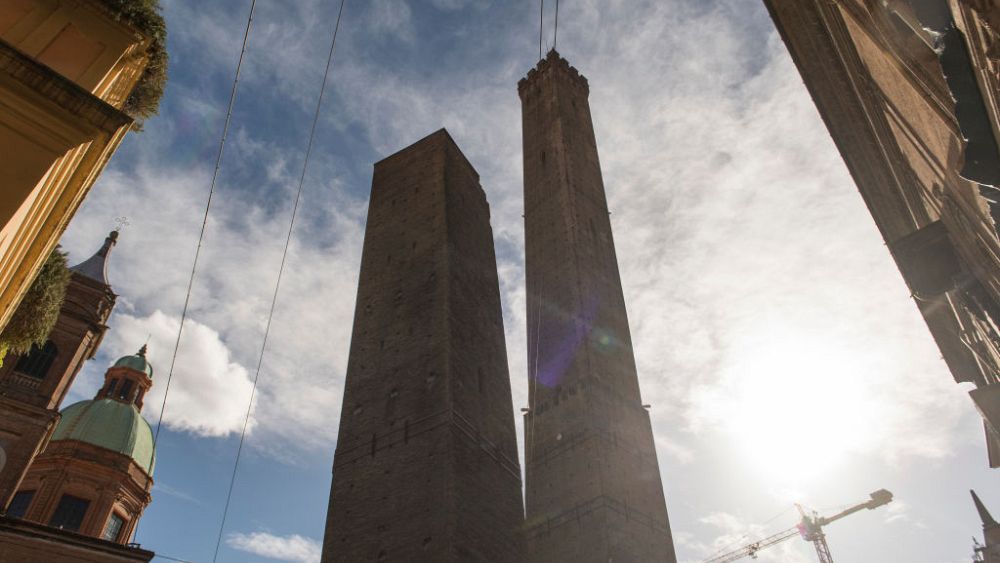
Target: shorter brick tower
{"x":33,"y":386}
{"x":990,"y":552}
{"x":95,"y":476}
{"x":426,"y":467}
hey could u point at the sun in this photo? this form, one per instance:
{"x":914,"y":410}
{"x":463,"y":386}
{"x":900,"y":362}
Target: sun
{"x":797,"y":404}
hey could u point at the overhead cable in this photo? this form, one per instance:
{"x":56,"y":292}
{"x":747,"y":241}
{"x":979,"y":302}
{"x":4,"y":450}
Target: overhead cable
{"x":555,"y":36}
{"x":204,"y":223}
{"x":281,"y":270}
{"x":541,"y":26}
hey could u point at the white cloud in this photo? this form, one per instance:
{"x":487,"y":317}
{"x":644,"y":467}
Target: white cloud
{"x":209,"y":392}
{"x":392,"y":17}
{"x":451,"y":5}
{"x":293,"y":548}
{"x":299,"y":390}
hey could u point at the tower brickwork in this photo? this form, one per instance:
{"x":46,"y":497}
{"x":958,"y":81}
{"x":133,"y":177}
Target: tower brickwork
{"x":33,"y":386}
{"x":426,"y":466}
{"x":593,"y":490}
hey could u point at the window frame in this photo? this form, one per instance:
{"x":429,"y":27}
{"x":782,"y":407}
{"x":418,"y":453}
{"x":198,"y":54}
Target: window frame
{"x":118,"y":532}
{"x":30,"y":494}
{"x":68,"y":514}
{"x":37,"y":363}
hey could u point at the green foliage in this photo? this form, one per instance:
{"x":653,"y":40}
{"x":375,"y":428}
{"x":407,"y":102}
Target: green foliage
{"x":145,"y":16}
{"x":37,"y":314}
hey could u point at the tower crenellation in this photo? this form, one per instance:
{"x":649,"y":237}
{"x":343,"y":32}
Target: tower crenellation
{"x":553,"y":63}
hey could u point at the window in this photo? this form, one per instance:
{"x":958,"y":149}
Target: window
{"x":124,"y":389}
{"x":19,"y":504}
{"x":38,"y":362}
{"x":113,"y":527}
{"x":69,"y":514}
{"x":111,"y":388}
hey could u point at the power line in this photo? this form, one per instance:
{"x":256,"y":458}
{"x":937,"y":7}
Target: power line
{"x":555,"y":37}
{"x":533,"y":389}
{"x":281,"y":270}
{"x":204,"y":224}
{"x":541,"y":25}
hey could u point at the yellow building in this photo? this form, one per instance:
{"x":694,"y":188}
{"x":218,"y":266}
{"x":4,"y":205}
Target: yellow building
{"x":74,"y":74}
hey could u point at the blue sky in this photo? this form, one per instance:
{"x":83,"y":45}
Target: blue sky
{"x":775,"y":339}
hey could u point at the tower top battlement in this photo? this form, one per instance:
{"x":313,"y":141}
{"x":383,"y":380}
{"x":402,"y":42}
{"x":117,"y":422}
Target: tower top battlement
{"x":552,"y":63}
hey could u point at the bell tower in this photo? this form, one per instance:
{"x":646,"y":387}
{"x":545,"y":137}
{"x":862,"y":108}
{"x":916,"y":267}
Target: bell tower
{"x":32,"y":386}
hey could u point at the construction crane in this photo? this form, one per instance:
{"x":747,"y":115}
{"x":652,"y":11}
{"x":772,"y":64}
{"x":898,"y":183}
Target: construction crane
{"x":810,"y":528}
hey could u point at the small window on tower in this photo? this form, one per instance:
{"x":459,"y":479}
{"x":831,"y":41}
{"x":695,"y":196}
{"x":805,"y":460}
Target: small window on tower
{"x":113,"y":527}
{"x":70,"y":513}
{"x":19,"y":504}
{"x":125,"y":389}
{"x":38,"y":362}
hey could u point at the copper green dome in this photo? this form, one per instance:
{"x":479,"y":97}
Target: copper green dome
{"x":111,"y":425}
{"x":137,"y":362}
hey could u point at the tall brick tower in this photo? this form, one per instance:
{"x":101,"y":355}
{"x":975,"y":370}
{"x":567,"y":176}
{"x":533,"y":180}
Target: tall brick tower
{"x":426,"y":467}
{"x":593,"y":484}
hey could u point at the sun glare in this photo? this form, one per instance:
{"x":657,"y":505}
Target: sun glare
{"x":798,"y":406}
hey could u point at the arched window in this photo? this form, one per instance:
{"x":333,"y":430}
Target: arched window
{"x":124,"y":390}
{"x":38,"y":362}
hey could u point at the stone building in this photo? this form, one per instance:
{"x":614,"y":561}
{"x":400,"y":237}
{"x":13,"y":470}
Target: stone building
{"x":32,"y":387}
{"x":593,"y":490}
{"x":67,"y":71}
{"x":426,"y":466}
{"x":909,"y":90}
{"x":990,"y":551}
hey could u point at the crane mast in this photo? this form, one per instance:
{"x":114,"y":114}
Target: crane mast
{"x":810,"y":528}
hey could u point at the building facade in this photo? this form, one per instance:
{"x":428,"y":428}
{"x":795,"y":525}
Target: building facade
{"x":92,"y":480}
{"x":426,"y":466}
{"x":593,"y":490}
{"x":67,"y":69}
{"x":32,"y":387}
{"x":990,"y":551}
{"x":909,"y":92}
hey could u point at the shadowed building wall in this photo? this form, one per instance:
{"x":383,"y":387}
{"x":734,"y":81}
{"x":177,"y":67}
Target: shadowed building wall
{"x":910,"y":92}
{"x":593,"y":488}
{"x":426,"y":467}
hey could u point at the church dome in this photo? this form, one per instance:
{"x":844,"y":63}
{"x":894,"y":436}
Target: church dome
{"x":137,"y":362}
{"x":111,"y":425}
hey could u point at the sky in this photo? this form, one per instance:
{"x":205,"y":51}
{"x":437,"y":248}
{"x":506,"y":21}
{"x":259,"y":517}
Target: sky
{"x":776,"y":341}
